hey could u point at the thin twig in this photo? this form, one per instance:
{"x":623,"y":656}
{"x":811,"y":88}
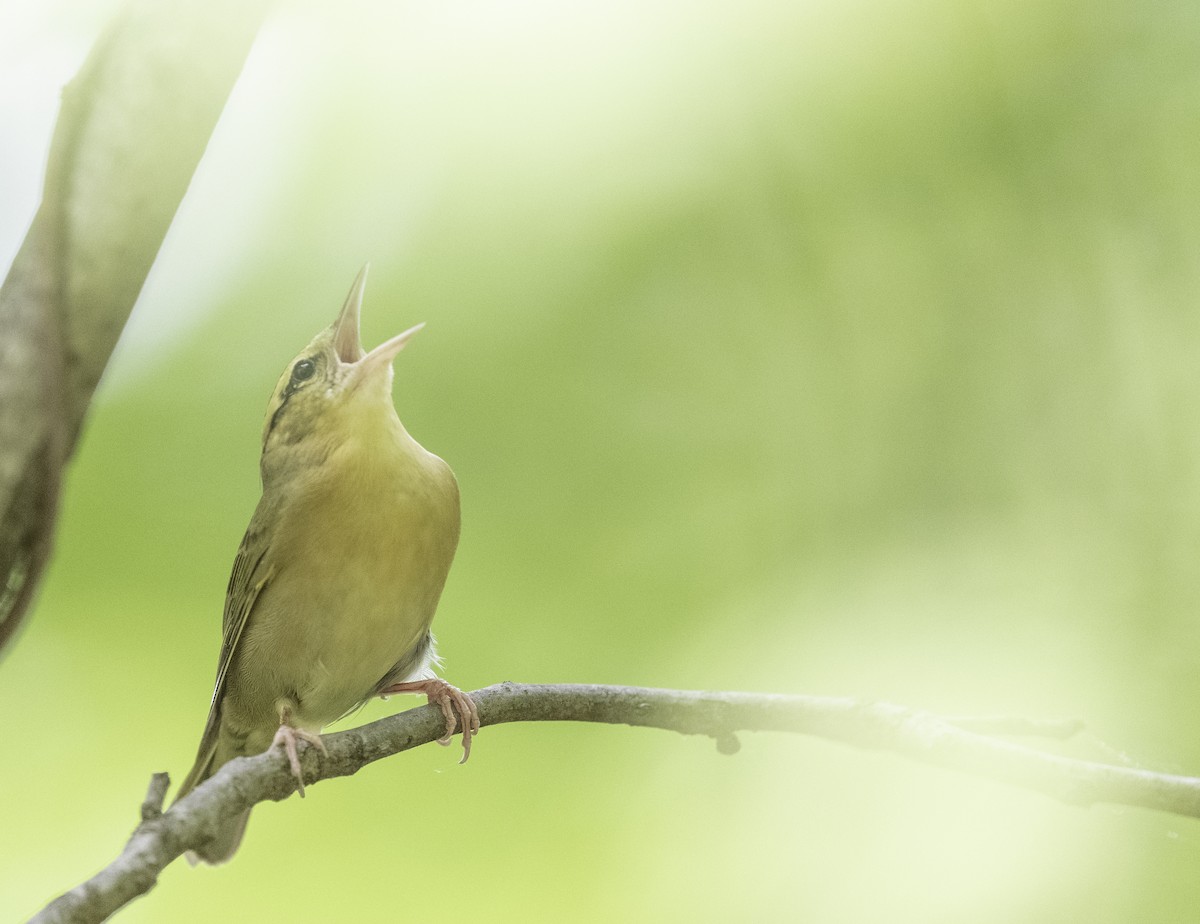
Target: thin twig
{"x":243,"y":782}
{"x":156,"y":794}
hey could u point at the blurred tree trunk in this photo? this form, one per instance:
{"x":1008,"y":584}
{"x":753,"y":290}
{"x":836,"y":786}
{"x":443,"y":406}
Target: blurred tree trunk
{"x":133,"y":125}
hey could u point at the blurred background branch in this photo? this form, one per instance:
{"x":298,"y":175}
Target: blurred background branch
{"x":245,"y":782}
{"x":133,"y":125}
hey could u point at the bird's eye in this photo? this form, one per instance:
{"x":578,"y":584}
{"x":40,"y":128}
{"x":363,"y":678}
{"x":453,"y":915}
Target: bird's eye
{"x":303,"y":370}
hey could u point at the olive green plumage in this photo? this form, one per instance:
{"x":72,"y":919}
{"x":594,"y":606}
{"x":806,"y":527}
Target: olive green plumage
{"x":337,"y":579}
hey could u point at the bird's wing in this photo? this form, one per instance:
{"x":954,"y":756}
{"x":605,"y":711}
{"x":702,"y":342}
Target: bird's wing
{"x":251,"y":574}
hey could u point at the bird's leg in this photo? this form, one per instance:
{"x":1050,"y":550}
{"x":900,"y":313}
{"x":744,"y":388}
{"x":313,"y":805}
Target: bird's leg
{"x":287,"y":735}
{"x":452,"y":700}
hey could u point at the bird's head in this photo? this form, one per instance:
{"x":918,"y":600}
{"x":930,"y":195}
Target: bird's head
{"x":333,"y":387}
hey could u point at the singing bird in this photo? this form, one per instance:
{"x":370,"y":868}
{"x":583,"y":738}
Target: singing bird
{"x":336,"y":581}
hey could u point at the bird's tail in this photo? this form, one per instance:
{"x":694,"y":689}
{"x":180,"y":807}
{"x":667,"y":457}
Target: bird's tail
{"x":224,"y":843}
{"x":227,"y":835}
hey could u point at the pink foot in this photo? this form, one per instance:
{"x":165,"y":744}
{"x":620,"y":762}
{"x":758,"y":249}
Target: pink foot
{"x":452,"y":700}
{"x":287,"y":736}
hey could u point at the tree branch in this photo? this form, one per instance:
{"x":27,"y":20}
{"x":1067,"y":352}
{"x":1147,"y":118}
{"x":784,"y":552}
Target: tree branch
{"x":961,"y":744}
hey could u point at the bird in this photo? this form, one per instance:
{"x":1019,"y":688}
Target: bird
{"x":336,"y":581}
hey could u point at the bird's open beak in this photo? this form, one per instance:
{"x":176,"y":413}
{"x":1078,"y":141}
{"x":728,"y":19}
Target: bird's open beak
{"x":383,"y":354}
{"x":348,"y":344}
{"x":347,"y":341}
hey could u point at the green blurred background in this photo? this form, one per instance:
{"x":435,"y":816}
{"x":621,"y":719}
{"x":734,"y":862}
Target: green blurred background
{"x":780,"y":345}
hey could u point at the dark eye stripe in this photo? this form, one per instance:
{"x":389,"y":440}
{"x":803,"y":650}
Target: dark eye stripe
{"x":278,"y":413}
{"x":302,"y":371}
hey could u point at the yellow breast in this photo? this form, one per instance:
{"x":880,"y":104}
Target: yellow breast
{"x":360,"y":554}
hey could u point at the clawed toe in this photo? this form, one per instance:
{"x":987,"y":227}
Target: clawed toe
{"x":286,"y":737}
{"x":457,"y":707}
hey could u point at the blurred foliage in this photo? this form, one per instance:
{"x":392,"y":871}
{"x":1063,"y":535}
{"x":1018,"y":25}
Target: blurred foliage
{"x":837,"y":348}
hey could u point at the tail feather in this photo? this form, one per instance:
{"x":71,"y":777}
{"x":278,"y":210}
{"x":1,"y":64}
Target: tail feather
{"x":223,"y":844}
{"x":215,"y":751}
